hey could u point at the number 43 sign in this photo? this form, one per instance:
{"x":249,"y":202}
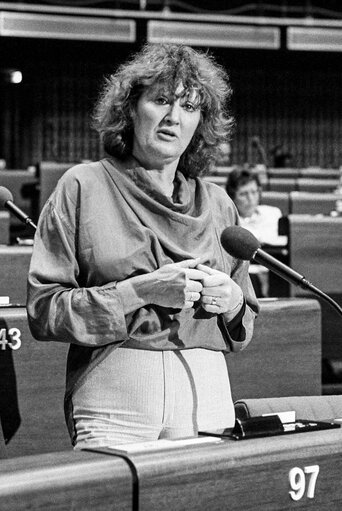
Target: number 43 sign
{"x":13,"y":341}
{"x":300,"y":480}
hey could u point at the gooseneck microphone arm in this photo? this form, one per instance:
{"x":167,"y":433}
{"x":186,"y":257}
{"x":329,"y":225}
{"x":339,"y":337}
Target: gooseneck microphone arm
{"x":291,"y":276}
{"x":13,"y":208}
{"x":242,"y":244}
{"x":6,"y":200}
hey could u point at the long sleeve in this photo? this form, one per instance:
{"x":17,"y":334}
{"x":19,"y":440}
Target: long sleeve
{"x":58,"y":308}
{"x":238,"y":332}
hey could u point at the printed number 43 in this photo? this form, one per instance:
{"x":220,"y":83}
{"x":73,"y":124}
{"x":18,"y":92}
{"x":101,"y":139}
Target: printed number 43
{"x":14,"y":335}
{"x":297,"y":479}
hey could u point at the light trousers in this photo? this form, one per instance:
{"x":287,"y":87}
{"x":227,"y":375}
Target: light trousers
{"x":138,"y":395}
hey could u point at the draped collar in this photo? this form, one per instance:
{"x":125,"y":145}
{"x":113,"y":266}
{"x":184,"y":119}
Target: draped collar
{"x":184,"y":227}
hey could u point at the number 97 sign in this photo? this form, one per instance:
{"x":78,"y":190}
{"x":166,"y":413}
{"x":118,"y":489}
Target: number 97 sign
{"x":10,"y":338}
{"x":302,"y":481}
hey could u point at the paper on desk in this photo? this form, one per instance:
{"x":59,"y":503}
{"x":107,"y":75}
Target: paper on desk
{"x":157,"y":445}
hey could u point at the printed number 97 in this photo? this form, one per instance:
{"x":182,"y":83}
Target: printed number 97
{"x":297,"y":479}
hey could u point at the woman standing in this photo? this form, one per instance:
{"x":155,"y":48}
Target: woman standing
{"x":127,"y":266}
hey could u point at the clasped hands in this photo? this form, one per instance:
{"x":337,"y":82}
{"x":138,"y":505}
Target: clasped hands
{"x":190,"y":281}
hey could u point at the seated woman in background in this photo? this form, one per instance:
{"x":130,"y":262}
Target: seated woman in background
{"x":243,"y":186}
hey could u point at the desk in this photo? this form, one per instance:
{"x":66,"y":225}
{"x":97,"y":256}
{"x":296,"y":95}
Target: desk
{"x":4,"y":228}
{"x":311,"y":203}
{"x":241,"y":475}
{"x":65,"y":481}
{"x":14,"y":266}
{"x":284,"y":356}
{"x":32,"y":380}
{"x":306,"y":184}
{"x":315,"y":248}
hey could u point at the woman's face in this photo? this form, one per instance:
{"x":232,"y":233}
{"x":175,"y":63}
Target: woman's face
{"x":164,"y":124}
{"x":247,"y":198}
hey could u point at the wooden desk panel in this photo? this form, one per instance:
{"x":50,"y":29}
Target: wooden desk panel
{"x":315,"y":251}
{"x":286,"y":172}
{"x":32,"y":380}
{"x":66,"y":481}
{"x":307,"y":203}
{"x":319,"y":173}
{"x":284,"y":356}
{"x":246,"y":475}
{"x":306,"y":184}
{"x":4,"y":227}
{"x":278,"y":184}
{"x":14,"y":266}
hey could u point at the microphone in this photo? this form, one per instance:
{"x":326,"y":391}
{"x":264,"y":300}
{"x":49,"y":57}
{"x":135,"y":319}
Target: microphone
{"x":242,"y":244}
{"x":6,"y":201}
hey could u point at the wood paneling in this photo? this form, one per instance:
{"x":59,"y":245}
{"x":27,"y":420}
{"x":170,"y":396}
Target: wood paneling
{"x":66,"y":481}
{"x":14,"y":264}
{"x":32,"y":380}
{"x":273,"y":364}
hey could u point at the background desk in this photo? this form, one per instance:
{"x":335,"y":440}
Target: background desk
{"x":31,"y":389}
{"x":284,"y":356}
{"x":14,"y":266}
{"x":315,"y":251}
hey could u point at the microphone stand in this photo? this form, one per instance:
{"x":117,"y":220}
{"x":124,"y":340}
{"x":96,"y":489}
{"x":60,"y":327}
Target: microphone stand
{"x":20,"y":214}
{"x":287,"y":273}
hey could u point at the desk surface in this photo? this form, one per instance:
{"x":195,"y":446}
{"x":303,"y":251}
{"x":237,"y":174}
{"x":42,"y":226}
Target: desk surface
{"x":64,"y":481}
{"x":299,"y":471}
{"x":244,"y":475}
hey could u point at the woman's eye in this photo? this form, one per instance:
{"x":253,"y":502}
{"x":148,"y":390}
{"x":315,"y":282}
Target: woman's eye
{"x":190,"y":107}
{"x":161,"y":100}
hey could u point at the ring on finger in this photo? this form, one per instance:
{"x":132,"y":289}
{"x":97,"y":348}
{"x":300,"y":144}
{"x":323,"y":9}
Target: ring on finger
{"x":213,"y":301}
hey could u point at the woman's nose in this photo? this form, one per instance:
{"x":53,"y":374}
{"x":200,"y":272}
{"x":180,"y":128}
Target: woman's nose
{"x":173,"y":113}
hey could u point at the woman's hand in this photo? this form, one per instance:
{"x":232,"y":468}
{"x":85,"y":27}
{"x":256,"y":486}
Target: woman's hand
{"x":174,"y":285}
{"x":220,"y":293}
{"x":178,"y":285}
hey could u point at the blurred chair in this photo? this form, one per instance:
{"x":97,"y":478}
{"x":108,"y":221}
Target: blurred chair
{"x":280,"y":200}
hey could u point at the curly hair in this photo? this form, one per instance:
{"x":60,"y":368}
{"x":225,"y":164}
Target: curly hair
{"x":168,"y":65}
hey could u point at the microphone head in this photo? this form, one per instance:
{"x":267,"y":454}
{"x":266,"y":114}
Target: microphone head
{"x":239,"y":242}
{"x":5,"y":195}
